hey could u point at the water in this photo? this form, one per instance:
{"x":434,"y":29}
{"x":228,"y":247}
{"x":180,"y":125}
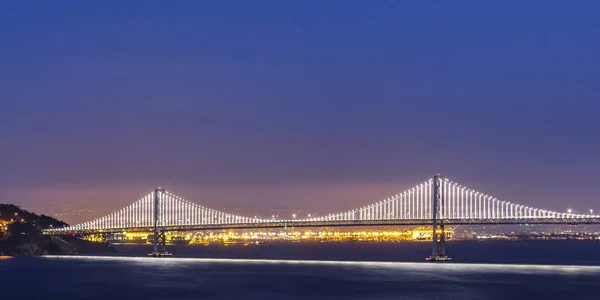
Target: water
{"x":512,"y":270}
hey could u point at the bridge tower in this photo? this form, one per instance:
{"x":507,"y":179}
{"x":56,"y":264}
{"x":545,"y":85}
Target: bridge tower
{"x":438,"y":253}
{"x":160,"y":240}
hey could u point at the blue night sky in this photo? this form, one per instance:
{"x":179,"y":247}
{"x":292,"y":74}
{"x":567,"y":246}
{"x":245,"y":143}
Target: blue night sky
{"x":324,"y":105}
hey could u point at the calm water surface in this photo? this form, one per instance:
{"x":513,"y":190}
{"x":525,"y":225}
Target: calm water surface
{"x":484,"y":270}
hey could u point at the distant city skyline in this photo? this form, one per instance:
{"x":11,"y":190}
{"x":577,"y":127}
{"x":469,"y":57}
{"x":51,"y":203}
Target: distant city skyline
{"x":252,"y":105}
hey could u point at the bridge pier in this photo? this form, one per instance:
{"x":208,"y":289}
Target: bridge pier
{"x":160,"y":240}
{"x":438,"y":253}
{"x":160,"y":244}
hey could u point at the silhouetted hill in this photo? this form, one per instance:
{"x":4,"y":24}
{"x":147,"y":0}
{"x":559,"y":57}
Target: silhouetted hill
{"x":10,"y":212}
{"x":23,"y":235}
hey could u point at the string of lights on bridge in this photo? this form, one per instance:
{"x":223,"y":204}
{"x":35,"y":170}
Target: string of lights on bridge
{"x":458,"y":203}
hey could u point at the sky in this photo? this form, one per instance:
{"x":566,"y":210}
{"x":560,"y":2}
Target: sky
{"x":322,"y":105}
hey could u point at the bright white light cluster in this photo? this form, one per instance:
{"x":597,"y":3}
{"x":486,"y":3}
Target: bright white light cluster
{"x":456,"y":202}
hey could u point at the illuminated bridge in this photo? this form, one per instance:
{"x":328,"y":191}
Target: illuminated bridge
{"x":436,"y":202}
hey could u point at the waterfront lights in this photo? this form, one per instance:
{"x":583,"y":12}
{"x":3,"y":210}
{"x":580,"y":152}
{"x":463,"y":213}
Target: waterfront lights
{"x":569,"y":210}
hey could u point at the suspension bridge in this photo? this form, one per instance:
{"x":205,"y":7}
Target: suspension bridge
{"x":436,"y":202}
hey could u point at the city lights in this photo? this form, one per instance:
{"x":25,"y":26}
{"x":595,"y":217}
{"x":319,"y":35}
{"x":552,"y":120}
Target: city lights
{"x":252,"y":236}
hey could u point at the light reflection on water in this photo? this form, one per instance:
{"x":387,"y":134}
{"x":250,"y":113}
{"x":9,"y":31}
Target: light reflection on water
{"x":274,"y":272}
{"x":441,"y":267}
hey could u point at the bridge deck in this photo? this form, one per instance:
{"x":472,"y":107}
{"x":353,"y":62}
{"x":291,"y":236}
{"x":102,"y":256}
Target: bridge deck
{"x":338,"y":223}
